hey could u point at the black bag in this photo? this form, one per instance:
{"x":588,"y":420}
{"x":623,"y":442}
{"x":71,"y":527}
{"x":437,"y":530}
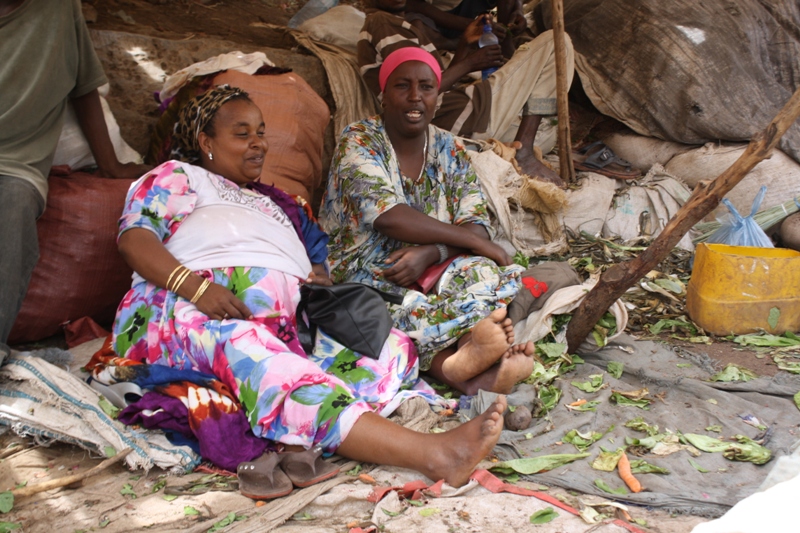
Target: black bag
{"x":353,"y":314}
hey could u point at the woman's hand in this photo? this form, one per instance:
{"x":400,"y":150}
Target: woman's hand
{"x":319,"y":276}
{"x":486,"y":57}
{"x":218,"y":303}
{"x":490,"y":250}
{"x":409,"y":263}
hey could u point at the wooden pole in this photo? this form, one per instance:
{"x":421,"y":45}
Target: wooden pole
{"x":567,"y":170}
{"x":706,"y":196}
{"x":69,"y":480}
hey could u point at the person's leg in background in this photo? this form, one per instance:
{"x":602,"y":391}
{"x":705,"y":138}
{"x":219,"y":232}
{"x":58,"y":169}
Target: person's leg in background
{"x":526,"y":84}
{"x":20,"y":206}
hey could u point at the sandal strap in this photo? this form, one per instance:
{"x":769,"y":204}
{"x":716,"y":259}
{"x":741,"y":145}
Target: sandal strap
{"x":602,"y":157}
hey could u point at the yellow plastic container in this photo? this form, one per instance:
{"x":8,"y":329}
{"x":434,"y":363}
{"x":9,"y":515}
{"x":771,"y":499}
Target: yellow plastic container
{"x":733,"y":289}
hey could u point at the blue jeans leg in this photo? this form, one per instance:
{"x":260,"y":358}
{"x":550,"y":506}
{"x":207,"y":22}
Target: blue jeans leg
{"x":20,"y":206}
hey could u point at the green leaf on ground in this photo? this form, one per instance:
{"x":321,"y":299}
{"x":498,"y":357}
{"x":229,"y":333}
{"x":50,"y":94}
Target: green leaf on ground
{"x":104,"y":522}
{"x":619,"y":399}
{"x":604,"y":487}
{"x":673,"y":325}
{"x":387,"y":512}
{"x":797,"y":400}
{"x":684,"y":365}
{"x":715,"y":429}
{"x":638,"y":424}
{"x":127,"y":490}
{"x":697,"y":466}
{"x":615,"y":368}
{"x":748,"y":450}
{"x":428,"y":511}
{"x":110,"y":451}
{"x":581,"y":441}
{"x":766,"y":339}
{"x":705,"y":443}
{"x":5,"y":527}
{"x":551,"y":350}
{"x":594,"y":384}
{"x":549,"y":396}
{"x":640,"y":466}
{"x":792,"y":367}
{"x":734,"y":372}
{"x":774,"y":316}
{"x":303,"y":517}
{"x":588,"y":406}
{"x":607,"y":461}
{"x":158,"y":486}
{"x":190,"y":511}
{"x":169,"y":497}
{"x":417,"y":503}
{"x":535,"y":465}
{"x":544,"y":516}
{"x":229,"y":519}
{"x":354,"y":471}
{"x":6,"y":501}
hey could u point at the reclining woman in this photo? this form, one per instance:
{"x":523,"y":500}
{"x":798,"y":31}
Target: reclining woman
{"x":402,"y":197}
{"x":218,"y":270}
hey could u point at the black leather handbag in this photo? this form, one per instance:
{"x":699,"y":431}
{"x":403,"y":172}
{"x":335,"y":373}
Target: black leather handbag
{"x":353,"y":314}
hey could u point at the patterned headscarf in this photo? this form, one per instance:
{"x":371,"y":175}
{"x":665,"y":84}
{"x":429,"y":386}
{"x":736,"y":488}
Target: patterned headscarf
{"x":194,"y":117}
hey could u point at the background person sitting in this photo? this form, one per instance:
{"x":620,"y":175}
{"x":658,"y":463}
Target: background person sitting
{"x":219,"y":262}
{"x":48,"y":60}
{"x":525,"y":85}
{"x":402,"y":197}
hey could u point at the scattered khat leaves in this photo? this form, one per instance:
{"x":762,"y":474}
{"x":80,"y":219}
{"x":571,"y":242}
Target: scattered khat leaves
{"x":583,"y":405}
{"x":229,"y":519}
{"x":428,"y":511}
{"x":521,"y":259}
{"x":169,"y":497}
{"x":581,"y":441}
{"x":127,"y":490}
{"x":734,"y":372}
{"x":615,"y":368}
{"x":190,"y":511}
{"x":6,"y":501}
{"x":673,"y":325}
{"x":551,"y":350}
{"x":594,"y":384}
{"x":640,"y":466}
{"x":606,"y":327}
{"x":604,"y":487}
{"x":160,"y":485}
{"x":544,"y":516}
{"x":684,"y":365}
{"x":535,"y":465}
{"x":354,"y":471}
{"x":633,"y":398}
{"x":717,"y":428}
{"x":768,"y":340}
{"x":792,"y":367}
{"x":108,"y":408}
{"x":746,"y":449}
{"x":6,"y":527}
{"x":638,"y":424}
{"x":797,"y":400}
{"x":705,"y":443}
{"x":697,"y":466}
{"x":549,"y":395}
{"x":607,"y":461}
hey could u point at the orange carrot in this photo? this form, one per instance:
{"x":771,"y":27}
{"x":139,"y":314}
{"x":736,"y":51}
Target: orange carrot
{"x":624,"y":469}
{"x":578,"y":403}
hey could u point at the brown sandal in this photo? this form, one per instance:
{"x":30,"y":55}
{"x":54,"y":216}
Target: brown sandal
{"x":263,"y":478}
{"x":307,"y":467}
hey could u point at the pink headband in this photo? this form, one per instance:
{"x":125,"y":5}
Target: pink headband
{"x":410,"y":53}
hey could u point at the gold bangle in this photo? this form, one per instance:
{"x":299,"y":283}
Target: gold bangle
{"x":169,"y":279}
{"x":200,"y":291}
{"x":180,"y":279}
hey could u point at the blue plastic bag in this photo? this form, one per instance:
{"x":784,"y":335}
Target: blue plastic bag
{"x":736,"y":230}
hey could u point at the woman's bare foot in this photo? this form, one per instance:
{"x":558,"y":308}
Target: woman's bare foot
{"x":454,"y":456}
{"x":491,"y":338}
{"x":514,"y":366}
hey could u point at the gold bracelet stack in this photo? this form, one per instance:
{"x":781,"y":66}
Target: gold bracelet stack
{"x":200,"y":291}
{"x":169,"y":279}
{"x":179,"y":279}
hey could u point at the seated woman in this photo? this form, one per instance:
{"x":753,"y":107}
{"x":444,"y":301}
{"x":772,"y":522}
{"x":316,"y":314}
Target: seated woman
{"x":218,"y":270}
{"x":402,"y":197}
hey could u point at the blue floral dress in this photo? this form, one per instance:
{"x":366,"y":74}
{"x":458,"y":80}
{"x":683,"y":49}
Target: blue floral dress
{"x":365,"y":181}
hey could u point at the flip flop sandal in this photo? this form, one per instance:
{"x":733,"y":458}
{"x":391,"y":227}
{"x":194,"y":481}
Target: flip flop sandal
{"x":597,"y":157}
{"x":263,"y":478}
{"x":307,"y":467}
{"x":119,"y":394}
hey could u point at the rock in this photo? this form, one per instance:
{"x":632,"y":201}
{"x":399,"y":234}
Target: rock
{"x":519,"y":419}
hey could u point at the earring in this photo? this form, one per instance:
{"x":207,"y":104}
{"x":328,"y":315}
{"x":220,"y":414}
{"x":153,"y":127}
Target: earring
{"x":210,"y":156}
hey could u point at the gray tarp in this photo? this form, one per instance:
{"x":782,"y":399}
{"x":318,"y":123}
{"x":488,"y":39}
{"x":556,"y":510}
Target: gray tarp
{"x":687,"y":71}
{"x":686,"y":407}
